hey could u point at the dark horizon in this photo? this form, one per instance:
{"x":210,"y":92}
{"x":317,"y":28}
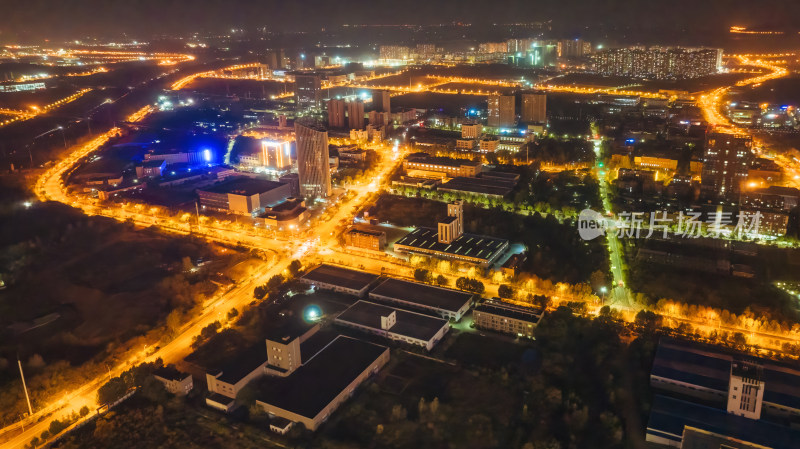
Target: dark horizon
{"x":44,"y":19}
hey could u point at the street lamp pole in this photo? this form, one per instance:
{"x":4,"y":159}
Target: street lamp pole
{"x":63,"y":135}
{"x":25,"y":387}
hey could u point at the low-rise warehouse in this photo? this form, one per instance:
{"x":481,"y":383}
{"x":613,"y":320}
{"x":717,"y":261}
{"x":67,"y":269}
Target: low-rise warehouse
{"x":316,"y":389}
{"x":445,"y":302}
{"x":343,"y":280}
{"x":394,"y":324}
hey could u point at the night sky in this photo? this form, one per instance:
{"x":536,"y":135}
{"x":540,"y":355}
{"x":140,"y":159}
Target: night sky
{"x":36,"y":19}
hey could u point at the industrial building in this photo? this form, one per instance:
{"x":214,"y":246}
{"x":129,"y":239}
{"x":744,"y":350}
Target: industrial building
{"x":395,"y":324}
{"x":316,"y":389}
{"x":338,"y":279}
{"x":445,"y":302}
{"x":448,"y":241}
{"x":709,"y":395}
{"x":243,"y":195}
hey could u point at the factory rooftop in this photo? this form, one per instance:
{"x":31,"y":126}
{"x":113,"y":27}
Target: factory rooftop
{"x":670,"y":418}
{"x":498,"y":187}
{"x":469,"y":247}
{"x":243,"y":185}
{"x":313,"y":386}
{"x":410,"y":324}
{"x":421,"y":294}
{"x":344,"y":277}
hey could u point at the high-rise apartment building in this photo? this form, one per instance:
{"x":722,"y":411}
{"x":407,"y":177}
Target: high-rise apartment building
{"x":308,"y":90}
{"x":394,"y":52}
{"x":501,"y":111}
{"x":658,"y":62}
{"x":336,"y":117}
{"x":355,"y":114}
{"x":381,"y":100}
{"x":573,"y":48}
{"x":727,"y":160}
{"x":426,"y":51}
{"x":534,"y":107}
{"x":312,"y":160}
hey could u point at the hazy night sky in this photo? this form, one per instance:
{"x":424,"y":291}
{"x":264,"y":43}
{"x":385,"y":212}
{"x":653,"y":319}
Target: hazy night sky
{"x":36,"y":19}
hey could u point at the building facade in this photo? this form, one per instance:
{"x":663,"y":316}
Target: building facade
{"x":312,"y":160}
{"x":336,"y":117}
{"x":308,"y":90}
{"x":658,"y":62}
{"x":501,"y":111}
{"x":534,"y":108}
{"x":725,"y":168}
{"x":506,"y":318}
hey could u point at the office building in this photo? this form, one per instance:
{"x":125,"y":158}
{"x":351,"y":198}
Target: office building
{"x":338,"y":279}
{"x":276,"y":154}
{"x":465,"y":144}
{"x":242,"y":195}
{"x":445,"y":302}
{"x":506,"y":318}
{"x":488,"y":144}
{"x":288,"y":215}
{"x":534,"y":108}
{"x":381,"y":101}
{"x":316,"y":389}
{"x":471,"y":130}
{"x":308,"y":90}
{"x":727,"y":161}
{"x":365,"y":238}
{"x":312,"y":160}
{"x":658,"y":62}
{"x":355,"y":114}
{"x":336,"y":117}
{"x":394,"y":324}
{"x":501,"y":112}
{"x":285,"y":349}
{"x":425,"y":166}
